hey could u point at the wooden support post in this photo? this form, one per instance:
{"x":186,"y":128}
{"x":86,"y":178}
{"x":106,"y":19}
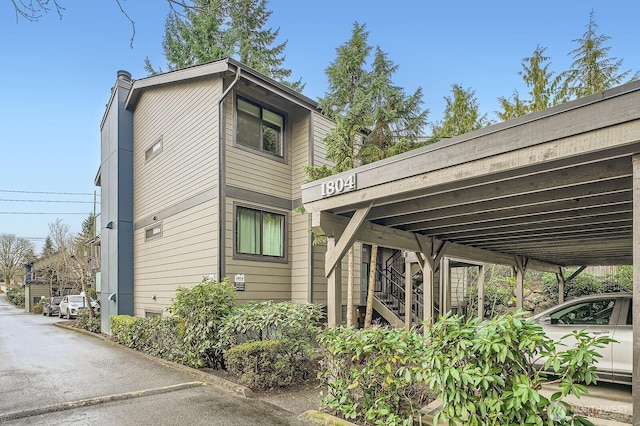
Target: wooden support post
{"x":334,"y":289}
{"x":445,"y":286}
{"x":408,"y":295}
{"x":635,"y":389}
{"x":481,"y":292}
{"x":561,"y":282}
{"x":521,"y":270}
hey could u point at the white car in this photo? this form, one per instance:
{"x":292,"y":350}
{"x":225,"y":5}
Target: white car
{"x":605,"y":314}
{"x":70,"y":305}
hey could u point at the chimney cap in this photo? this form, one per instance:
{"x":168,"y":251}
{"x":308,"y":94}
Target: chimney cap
{"x":124,"y":75}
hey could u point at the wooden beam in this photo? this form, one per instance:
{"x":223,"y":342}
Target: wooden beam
{"x":334,"y":291}
{"x":347,"y":238}
{"x":328,"y":224}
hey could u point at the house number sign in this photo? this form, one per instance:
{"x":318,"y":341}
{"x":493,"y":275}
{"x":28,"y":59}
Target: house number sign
{"x":338,"y":185}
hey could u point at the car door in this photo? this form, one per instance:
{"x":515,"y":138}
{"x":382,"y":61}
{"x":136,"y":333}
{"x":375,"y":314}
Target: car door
{"x":598,"y":316}
{"x":64,"y":306}
{"x":622,"y":349}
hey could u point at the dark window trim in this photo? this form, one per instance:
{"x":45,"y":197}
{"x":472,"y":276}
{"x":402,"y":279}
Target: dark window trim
{"x":261,"y":257}
{"x":267,"y":154}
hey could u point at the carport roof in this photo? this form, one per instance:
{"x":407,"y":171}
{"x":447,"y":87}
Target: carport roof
{"x":555,"y":186}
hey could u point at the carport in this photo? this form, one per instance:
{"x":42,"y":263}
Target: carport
{"x":554,"y":189}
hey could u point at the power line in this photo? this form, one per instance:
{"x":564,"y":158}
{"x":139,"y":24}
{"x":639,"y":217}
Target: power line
{"x":49,"y":201}
{"x":46,"y":192}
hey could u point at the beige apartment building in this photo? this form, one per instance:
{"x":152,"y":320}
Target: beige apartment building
{"x":200,"y":172}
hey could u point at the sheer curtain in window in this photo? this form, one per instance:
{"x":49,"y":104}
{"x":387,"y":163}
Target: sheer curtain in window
{"x":272,"y":234}
{"x":248,"y":230}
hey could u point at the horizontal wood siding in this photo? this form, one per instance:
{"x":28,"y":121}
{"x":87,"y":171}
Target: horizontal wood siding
{"x":249,"y":169}
{"x":263,"y":280}
{"x":300,"y":222}
{"x":184,"y":254}
{"x":185,"y":116}
{"x":321,"y":127}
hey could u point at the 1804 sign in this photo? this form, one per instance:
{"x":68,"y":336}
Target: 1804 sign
{"x":338,"y":185}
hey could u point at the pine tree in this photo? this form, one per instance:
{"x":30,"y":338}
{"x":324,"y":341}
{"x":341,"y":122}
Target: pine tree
{"x":592,"y":70}
{"x":373,"y":119}
{"x":47,"y":250}
{"x":545,"y":89}
{"x":216,"y":29}
{"x":461,"y":115}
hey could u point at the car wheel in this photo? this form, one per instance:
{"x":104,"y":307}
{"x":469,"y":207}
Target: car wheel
{"x":44,"y":313}
{"x":60,"y":314}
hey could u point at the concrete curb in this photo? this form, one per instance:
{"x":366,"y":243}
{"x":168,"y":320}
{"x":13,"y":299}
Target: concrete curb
{"x":316,"y":417}
{"x":208,"y":378}
{"x":97,"y":400}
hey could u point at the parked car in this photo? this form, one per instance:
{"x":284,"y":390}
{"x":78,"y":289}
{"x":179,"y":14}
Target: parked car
{"x":70,"y":305}
{"x":51,"y":306}
{"x":606,"y":314}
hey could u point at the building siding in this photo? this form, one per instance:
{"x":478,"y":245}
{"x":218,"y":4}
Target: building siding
{"x":185,"y":116}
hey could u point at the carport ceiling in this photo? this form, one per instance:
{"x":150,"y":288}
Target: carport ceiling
{"x":555,"y":186}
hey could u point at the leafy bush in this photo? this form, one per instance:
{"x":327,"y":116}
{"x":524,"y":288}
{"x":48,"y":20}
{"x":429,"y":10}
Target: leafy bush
{"x":88,"y":323}
{"x":296,"y":322}
{"x":16,"y":296}
{"x":37,"y":308}
{"x":157,"y":336}
{"x":200,"y":312}
{"x":373,"y":375}
{"x":483,"y":371}
{"x":262,"y":364}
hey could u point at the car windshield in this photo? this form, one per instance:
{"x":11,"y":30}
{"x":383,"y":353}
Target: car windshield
{"x":76,"y":299}
{"x":57,"y":300}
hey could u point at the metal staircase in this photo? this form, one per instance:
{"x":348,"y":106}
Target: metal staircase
{"x":389,"y":293}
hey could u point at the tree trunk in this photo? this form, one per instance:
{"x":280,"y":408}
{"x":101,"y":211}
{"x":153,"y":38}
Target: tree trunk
{"x":372,"y":280}
{"x":350,"y":287}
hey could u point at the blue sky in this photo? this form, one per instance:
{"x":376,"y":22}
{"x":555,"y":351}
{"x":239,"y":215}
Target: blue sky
{"x":56,"y":74}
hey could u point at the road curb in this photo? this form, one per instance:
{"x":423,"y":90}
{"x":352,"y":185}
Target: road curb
{"x":97,"y":400}
{"x":208,"y":378}
{"x":316,"y":417}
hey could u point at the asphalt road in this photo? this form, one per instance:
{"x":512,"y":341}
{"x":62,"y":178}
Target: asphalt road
{"x":51,"y":375}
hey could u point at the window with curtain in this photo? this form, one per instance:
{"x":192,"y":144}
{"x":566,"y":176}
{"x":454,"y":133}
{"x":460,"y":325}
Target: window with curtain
{"x":259,"y":128}
{"x":259,"y":233}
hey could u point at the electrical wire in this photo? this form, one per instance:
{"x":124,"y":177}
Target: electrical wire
{"x":48,"y":192}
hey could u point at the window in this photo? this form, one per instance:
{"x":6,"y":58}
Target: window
{"x":259,"y":128}
{"x":259,"y":233}
{"x":153,"y":150}
{"x":596,"y":312}
{"x":154,"y":231}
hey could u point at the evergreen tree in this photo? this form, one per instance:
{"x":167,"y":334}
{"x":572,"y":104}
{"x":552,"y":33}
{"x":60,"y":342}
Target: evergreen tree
{"x":373,"y":119}
{"x":545,"y":89}
{"x":47,"y":250}
{"x":461,"y":115}
{"x":592,"y":70}
{"x":215,"y":29}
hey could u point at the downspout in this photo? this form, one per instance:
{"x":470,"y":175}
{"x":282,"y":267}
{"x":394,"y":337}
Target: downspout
{"x":221,"y":178}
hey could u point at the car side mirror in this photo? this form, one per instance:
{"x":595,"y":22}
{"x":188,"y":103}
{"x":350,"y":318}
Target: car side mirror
{"x":546,"y":320}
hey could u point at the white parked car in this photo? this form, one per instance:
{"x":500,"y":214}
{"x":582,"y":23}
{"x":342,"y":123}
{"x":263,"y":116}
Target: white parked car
{"x":606,"y":314}
{"x":70,"y":305}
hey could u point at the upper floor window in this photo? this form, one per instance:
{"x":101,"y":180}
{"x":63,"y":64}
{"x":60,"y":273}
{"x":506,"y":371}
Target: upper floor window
{"x":259,"y":233}
{"x":259,"y":127}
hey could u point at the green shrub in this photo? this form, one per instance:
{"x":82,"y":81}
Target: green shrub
{"x":200,"y":312}
{"x":373,"y":375}
{"x":157,"y":336}
{"x":296,"y":322}
{"x":483,"y":371}
{"x":88,"y":323}
{"x":37,"y":308}
{"x":16,"y":296}
{"x":262,"y":365}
